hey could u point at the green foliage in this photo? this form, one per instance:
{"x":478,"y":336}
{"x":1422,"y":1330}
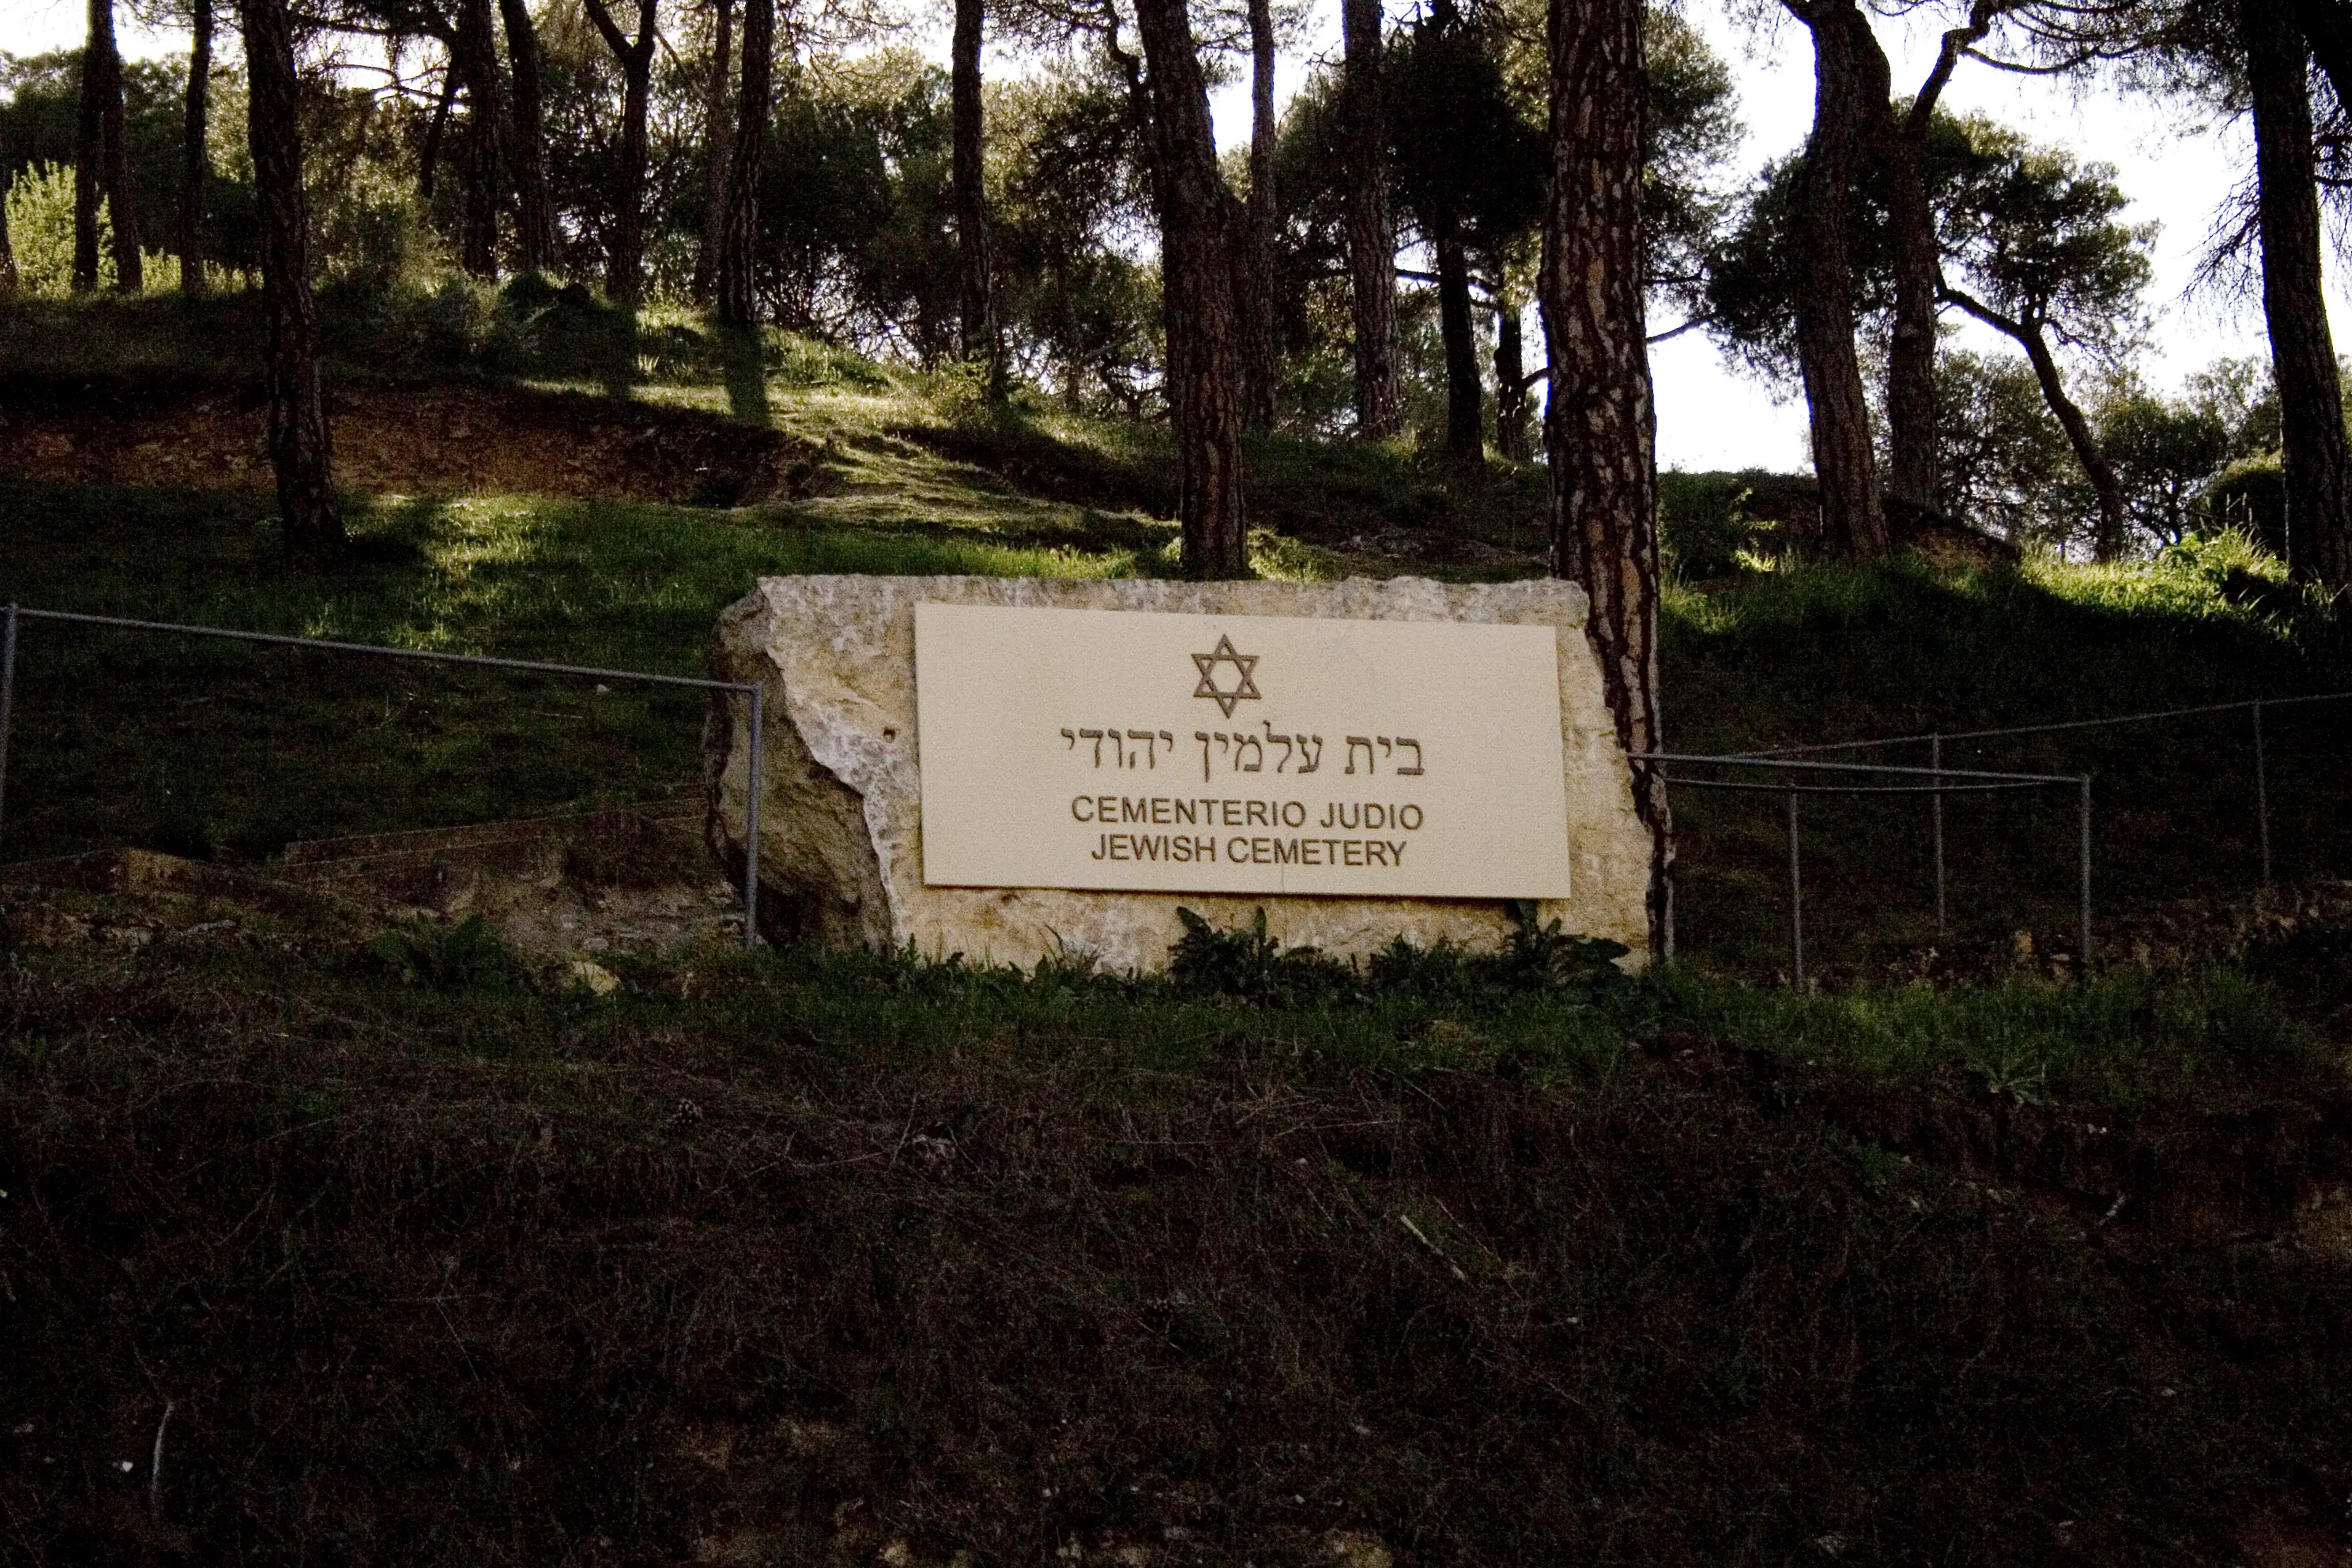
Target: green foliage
{"x":2034,"y":231}
{"x":1249,"y":966}
{"x":467,"y":956}
{"x":40,"y":231}
{"x":2003,"y":462}
{"x":2123,"y":1039}
{"x":2250,"y":497}
{"x":40,"y":97}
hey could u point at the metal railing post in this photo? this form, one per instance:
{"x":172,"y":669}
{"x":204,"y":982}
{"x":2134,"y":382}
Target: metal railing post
{"x":1936,"y":761}
{"x":7,"y":700}
{"x":2085,"y":828}
{"x":2262,"y":791}
{"x":1796,"y":899}
{"x":751,"y":832}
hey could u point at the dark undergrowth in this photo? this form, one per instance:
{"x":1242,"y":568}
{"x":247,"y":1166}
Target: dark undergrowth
{"x":799,"y":1259}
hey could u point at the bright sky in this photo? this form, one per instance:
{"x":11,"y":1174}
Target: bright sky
{"x":2175,"y":171}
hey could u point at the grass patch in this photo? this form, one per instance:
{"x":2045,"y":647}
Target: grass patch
{"x":1460,"y":1262}
{"x":202,"y":748}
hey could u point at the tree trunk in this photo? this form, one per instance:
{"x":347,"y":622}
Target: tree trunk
{"x":7,"y":257}
{"x":975,"y":279}
{"x":738,"y":248}
{"x":476,"y":57}
{"x":1600,"y":425}
{"x":2107,"y":544}
{"x":1196,"y":283}
{"x":1254,"y":269}
{"x":429,"y":160}
{"x":98,"y":69}
{"x":624,"y":258}
{"x":1510,"y":379}
{"x":196,"y":167}
{"x":1848,"y":100}
{"x":534,"y":215}
{"x":1911,"y":469}
{"x":298,"y":442}
{"x":1465,"y":407}
{"x":122,"y":197}
{"x":2316,"y":456}
{"x":1371,"y":229}
{"x":718,"y":136}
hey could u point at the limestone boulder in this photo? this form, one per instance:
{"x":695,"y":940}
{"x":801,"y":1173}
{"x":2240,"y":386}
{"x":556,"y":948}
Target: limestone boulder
{"x":840,"y":802}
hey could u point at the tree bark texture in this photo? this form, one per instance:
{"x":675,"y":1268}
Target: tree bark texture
{"x":476,"y":57}
{"x":1912,"y":468}
{"x":1371,"y":224}
{"x":1466,"y":404}
{"x":197,"y":165}
{"x":738,"y":248}
{"x":1848,"y":99}
{"x":300,"y":448}
{"x":975,"y":269}
{"x":1599,"y":424}
{"x":121,"y":198}
{"x":428,"y":162}
{"x":534,"y":214}
{"x":1510,"y":379}
{"x":1196,"y":284}
{"x":2316,"y":456}
{"x":624,"y":258}
{"x":101,"y":71}
{"x":718,"y":138}
{"x":1254,"y":257}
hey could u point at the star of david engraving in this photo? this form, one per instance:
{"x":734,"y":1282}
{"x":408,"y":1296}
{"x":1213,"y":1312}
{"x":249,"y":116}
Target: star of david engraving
{"x":1244,"y":687}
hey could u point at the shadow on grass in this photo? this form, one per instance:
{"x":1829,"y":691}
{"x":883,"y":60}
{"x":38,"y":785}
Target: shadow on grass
{"x":743,"y":370}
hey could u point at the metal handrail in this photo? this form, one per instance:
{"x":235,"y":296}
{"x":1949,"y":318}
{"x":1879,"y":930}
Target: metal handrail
{"x":11,"y":614}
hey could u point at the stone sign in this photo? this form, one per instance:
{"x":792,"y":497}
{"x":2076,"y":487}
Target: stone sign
{"x":1106,"y":749}
{"x":1015,"y":769}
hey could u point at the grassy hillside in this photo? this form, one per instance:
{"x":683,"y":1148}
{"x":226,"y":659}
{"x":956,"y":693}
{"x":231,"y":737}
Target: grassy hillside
{"x":799,"y":1260}
{"x":321,"y":1240}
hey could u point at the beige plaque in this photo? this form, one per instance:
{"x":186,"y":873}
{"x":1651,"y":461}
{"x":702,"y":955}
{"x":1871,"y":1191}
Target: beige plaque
{"x":1124,"y":750}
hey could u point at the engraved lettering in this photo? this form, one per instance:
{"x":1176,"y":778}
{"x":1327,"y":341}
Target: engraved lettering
{"x":1071,"y":736}
{"x":1294,"y":814}
{"x":1096,"y":736}
{"x":1088,"y":801}
{"x":1307,"y":764}
{"x":1365,"y":741}
{"x":1416,"y":769}
{"x":1283,"y":741}
{"x":1412,"y":826}
{"x":1203,"y":736}
{"x":1397,"y":850}
{"x":1151,"y":739}
{"x":1240,"y":766}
